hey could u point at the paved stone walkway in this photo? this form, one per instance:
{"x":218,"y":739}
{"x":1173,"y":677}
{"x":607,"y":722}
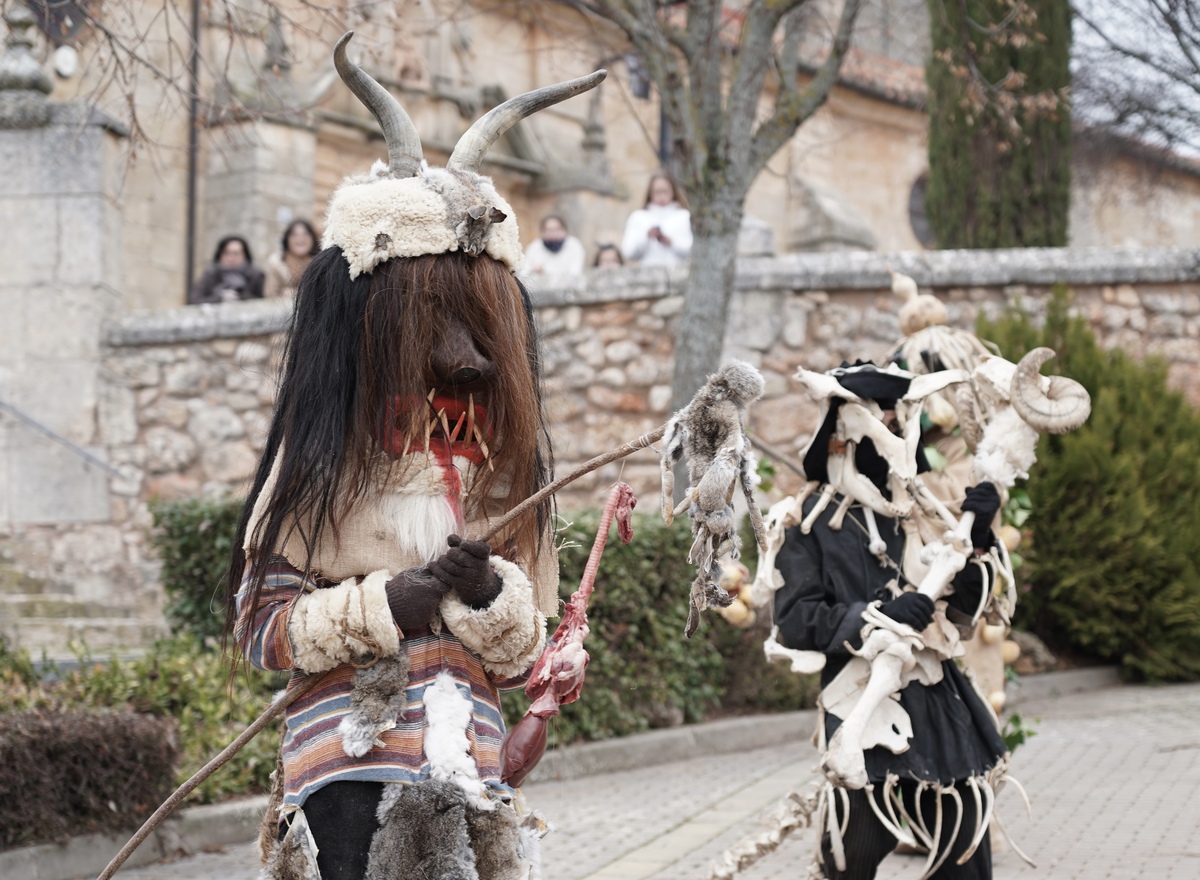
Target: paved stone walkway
{"x":1112,"y":775}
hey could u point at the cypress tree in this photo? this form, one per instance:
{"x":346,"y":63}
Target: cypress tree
{"x":1000,"y":123}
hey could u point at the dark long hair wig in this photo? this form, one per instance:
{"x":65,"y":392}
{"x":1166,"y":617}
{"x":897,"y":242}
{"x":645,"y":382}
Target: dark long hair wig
{"x":354,"y":346}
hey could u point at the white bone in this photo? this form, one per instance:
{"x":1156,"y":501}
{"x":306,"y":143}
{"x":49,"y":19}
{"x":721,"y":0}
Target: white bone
{"x":803,"y":662}
{"x":936,"y":836}
{"x":917,"y":828}
{"x":892,"y":828}
{"x":876,"y":545}
{"x":985,"y":821}
{"x":835,"y":521}
{"x":844,"y":763}
{"x":836,"y":845}
{"x":924,"y":385}
{"x":933,"y":869}
{"x":999,"y":824}
{"x":976,"y":836}
{"x":890,"y":784}
{"x":826,"y":496}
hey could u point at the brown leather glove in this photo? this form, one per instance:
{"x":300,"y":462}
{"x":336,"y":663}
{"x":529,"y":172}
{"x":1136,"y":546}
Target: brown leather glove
{"x":466,"y":569}
{"x":413,"y":596}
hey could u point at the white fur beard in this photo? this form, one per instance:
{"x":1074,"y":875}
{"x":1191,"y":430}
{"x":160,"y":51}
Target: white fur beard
{"x":422,"y":520}
{"x":447,"y":716}
{"x":1007,"y":449}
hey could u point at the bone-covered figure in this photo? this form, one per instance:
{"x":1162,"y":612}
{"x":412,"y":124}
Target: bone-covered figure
{"x":869,"y":574}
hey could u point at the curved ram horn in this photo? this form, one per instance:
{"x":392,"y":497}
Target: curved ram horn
{"x":403,"y":142}
{"x":1063,"y":408}
{"x":468,"y":152}
{"x":968,"y":419}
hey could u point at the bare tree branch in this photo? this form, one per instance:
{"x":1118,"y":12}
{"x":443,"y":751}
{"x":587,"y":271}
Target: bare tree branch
{"x":793,"y":110}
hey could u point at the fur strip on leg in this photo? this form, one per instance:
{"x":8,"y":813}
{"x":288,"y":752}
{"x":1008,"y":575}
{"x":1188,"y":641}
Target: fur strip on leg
{"x":377,"y":701}
{"x":349,"y":623}
{"x":294,"y":857}
{"x":422,"y":833}
{"x":510,"y":633}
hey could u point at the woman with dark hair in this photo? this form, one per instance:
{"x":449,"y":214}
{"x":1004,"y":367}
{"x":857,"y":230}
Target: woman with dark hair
{"x":298,"y":246}
{"x":660,"y":233}
{"x":231,"y":277}
{"x":408,"y":419}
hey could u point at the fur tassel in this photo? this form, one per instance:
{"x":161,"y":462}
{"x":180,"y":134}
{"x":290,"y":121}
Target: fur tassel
{"x":377,"y":701}
{"x":447,"y":716}
{"x":294,"y":857}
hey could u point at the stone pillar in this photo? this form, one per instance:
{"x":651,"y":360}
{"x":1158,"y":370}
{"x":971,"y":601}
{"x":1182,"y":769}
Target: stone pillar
{"x":59,"y":281}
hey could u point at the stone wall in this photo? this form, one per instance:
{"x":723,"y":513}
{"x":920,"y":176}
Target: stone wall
{"x":186,"y":394}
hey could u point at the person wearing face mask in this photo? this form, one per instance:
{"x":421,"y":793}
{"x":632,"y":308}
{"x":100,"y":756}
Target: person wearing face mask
{"x":660,"y":234}
{"x":556,"y":252}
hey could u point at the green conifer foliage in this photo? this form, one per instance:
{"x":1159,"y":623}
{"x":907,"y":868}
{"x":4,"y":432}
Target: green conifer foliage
{"x":1000,"y":124}
{"x":1114,"y":570}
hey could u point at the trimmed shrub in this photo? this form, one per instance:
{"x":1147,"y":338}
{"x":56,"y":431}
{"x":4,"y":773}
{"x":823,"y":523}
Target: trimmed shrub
{"x":179,"y":679}
{"x":64,"y":773}
{"x":193,"y":538}
{"x":1114,"y":570}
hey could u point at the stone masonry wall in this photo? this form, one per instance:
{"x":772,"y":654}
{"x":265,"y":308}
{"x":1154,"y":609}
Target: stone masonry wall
{"x":186,"y":395}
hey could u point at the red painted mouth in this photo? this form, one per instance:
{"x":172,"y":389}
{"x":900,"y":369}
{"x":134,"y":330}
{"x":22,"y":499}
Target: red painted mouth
{"x":453,"y":427}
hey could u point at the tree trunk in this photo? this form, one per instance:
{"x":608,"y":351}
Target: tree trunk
{"x":701,"y":336}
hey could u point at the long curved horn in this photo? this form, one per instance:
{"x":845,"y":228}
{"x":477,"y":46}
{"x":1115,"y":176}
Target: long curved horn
{"x":468,"y":152}
{"x":968,"y":419}
{"x":1063,"y":408}
{"x":403,"y":142}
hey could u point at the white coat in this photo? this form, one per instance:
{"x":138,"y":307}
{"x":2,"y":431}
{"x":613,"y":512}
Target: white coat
{"x":675,"y":223}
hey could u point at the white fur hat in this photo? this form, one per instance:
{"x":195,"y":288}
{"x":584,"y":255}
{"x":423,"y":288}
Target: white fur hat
{"x":406,"y":208}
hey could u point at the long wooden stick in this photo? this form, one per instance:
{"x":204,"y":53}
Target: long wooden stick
{"x":272,"y":711}
{"x":305,"y":686}
{"x":586,"y":468}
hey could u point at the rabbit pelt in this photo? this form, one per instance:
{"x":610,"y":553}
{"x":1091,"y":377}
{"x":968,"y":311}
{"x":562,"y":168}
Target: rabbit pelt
{"x":431,"y":829}
{"x":710,"y":433}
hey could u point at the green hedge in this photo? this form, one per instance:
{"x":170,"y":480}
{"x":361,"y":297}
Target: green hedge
{"x":643,"y":672}
{"x":1114,"y":570}
{"x":192,"y":538}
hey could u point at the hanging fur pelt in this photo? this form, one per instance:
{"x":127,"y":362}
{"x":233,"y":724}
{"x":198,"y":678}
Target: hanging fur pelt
{"x":710,"y":432}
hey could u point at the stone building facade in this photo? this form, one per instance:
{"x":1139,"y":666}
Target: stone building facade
{"x":278,"y":131}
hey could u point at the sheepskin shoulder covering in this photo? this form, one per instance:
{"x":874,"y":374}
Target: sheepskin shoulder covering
{"x":373,"y":220}
{"x":348,"y":623}
{"x":510,"y":633}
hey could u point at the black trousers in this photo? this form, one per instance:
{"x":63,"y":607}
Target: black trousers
{"x":342,"y":819}
{"x":867,"y":842}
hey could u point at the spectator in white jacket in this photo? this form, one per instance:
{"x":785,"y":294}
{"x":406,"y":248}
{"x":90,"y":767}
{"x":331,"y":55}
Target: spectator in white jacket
{"x":659,"y":234}
{"x":556,"y":252}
